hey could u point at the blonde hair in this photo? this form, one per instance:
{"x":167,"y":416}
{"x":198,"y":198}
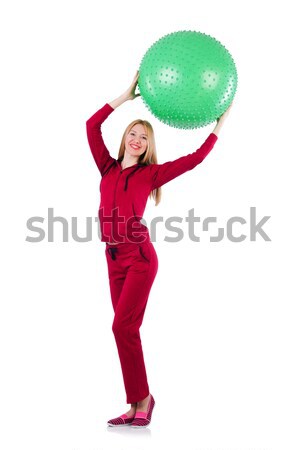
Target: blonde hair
{"x":149,"y":156}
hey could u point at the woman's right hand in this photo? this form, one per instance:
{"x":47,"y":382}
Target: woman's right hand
{"x":130,"y":94}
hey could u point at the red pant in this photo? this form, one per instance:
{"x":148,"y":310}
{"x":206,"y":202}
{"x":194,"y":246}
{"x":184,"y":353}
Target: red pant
{"x":132,"y":268}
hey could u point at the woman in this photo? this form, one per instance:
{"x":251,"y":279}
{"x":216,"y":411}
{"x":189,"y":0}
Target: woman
{"x":132,"y":261}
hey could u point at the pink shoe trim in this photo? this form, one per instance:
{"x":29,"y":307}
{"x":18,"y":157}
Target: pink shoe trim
{"x":124,"y":416}
{"x":140,"y":415}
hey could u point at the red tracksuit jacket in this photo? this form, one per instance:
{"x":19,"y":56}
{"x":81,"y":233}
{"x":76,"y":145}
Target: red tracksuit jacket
{"x":124,"y":192}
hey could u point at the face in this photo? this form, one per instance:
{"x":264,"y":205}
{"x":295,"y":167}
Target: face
{"x":136,"y":140}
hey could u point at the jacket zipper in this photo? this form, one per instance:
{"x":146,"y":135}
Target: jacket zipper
{"x":113,"y":224}
{"x":113,"y":221}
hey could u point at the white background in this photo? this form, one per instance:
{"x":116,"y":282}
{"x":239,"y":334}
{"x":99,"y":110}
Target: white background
{"x":220,"y":329}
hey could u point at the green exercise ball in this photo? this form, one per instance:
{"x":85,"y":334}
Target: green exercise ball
{"x":187,"y":79}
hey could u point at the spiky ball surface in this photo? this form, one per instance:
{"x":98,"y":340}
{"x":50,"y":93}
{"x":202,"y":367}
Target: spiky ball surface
{"x":187,"y":79}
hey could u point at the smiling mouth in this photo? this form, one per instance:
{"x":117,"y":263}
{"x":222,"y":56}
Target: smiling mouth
{"x":135,"y":147}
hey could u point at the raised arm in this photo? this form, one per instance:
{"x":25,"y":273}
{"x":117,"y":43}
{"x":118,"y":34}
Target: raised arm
{"x":163,"y":173}
{"x":99,"y":151}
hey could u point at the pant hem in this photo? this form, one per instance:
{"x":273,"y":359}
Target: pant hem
{"x":139,"y":399}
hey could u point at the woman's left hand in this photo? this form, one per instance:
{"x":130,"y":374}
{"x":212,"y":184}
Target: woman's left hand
{"x":225,"y":114}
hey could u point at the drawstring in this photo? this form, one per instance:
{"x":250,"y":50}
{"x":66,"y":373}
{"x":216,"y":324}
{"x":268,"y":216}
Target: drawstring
{"x":112,"y":251}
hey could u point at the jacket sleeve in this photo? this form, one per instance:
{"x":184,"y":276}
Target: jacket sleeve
{"x":99,"y":151}
{"x":163,"y":173}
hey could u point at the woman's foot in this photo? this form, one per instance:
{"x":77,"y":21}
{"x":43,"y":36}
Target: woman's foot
{"x":143,"y":404}
{"x":143,"y":418}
